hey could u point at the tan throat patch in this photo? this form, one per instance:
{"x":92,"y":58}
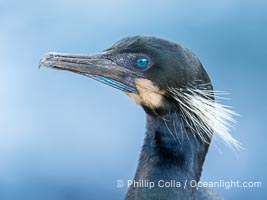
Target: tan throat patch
{"x":149,"y":94}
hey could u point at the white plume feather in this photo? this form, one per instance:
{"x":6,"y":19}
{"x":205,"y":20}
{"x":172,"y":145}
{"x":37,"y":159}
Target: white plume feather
{"x":204,"y":115}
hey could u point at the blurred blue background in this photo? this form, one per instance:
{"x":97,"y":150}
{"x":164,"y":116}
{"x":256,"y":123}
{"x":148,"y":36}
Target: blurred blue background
{"x":64,"y":136}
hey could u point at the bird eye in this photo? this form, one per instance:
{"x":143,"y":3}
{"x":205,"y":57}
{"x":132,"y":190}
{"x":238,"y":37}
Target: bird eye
{"x":141,"y":62}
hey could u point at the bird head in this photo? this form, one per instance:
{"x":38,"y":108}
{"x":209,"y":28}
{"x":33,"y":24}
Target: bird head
{"x":145,"y":68}
{"x":159,"y":75}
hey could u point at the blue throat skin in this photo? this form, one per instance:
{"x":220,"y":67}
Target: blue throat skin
{"x":170,"y":153}
{"x":113,"y":83}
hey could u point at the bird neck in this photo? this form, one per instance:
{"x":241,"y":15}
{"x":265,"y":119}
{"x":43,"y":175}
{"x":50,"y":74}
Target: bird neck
{"x":171,"y":158}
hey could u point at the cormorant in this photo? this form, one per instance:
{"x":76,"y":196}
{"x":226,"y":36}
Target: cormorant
{"x":174,"y":89}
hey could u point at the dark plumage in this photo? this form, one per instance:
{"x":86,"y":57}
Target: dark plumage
{"x":147,"y":69}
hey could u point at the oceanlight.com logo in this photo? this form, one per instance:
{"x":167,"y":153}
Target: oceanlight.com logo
{"x":188,"y":183}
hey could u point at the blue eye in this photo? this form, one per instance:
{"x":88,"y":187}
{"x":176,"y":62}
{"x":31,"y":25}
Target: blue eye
{"x":141,"y":62}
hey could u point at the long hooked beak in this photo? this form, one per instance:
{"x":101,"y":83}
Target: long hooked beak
{"x":96,"y":66}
